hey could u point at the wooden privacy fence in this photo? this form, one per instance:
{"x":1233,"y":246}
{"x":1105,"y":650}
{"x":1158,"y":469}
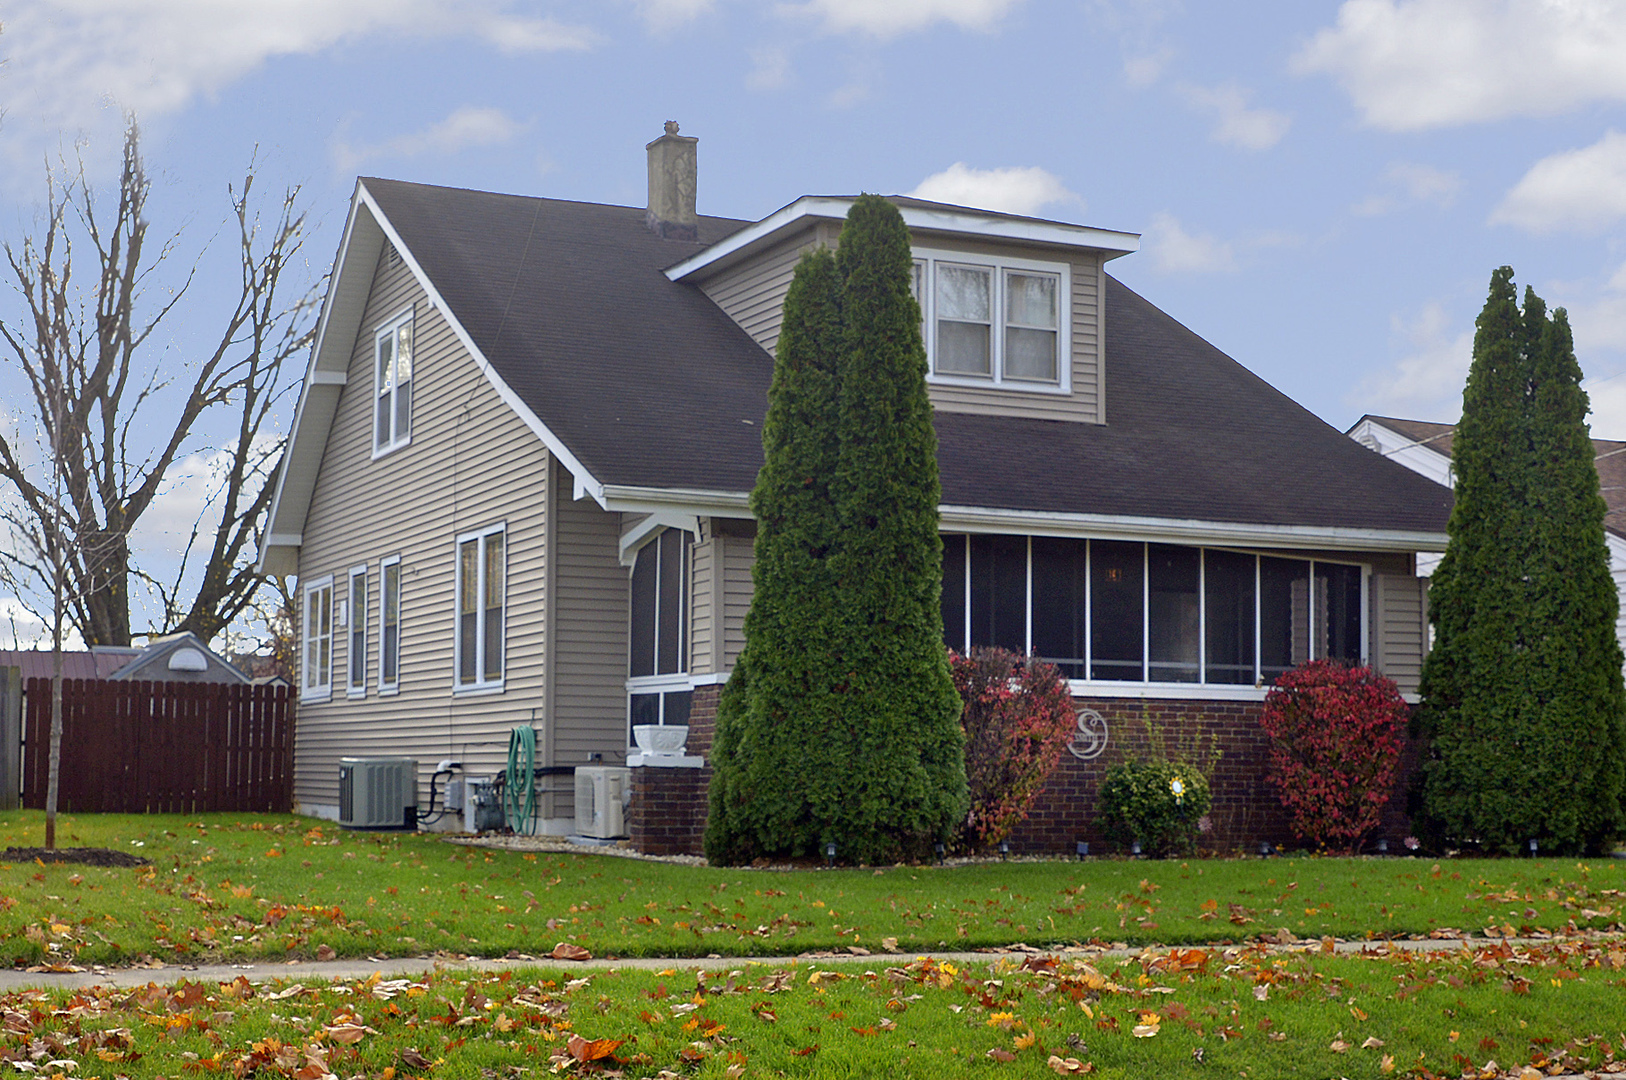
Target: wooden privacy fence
{"x":161,"y":747}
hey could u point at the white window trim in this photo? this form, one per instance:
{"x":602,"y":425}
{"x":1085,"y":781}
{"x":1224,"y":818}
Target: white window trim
{"x":998,"y":265}
{"x":387,"y":689}
{"x":389,"y":329}
{"x":358,"y":621}
{"x":307,"y":690}
{"x":480,"y":685}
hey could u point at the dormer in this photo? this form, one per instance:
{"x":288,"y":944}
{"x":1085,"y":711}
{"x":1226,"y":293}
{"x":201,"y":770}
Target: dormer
{"x":1011,"y":306}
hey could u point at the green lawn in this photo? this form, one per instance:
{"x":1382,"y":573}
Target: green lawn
{"x":239,"y":886}
{"x":1241,"y":1012}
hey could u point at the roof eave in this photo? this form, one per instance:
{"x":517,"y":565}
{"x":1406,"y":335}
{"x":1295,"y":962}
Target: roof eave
{"x":740,"y":244}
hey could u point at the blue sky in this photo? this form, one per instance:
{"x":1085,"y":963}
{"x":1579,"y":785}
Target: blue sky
{"x":1323,"y":189}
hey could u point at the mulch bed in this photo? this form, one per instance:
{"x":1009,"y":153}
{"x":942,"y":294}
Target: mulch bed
{"x":85,"y":856}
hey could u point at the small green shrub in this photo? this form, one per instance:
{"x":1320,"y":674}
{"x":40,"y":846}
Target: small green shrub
{"x":1158,"y":803}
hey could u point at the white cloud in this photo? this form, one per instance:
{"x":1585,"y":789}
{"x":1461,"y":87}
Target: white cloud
{"x":1235,"y":123}
{"x":68,"y":58}
{"x":1173,"y":250}
{"x":467,"y":127}
{"x":1425,"y":383}
{"x":1143,"y":69}
{"x":1416,"y":64}
{"x":1014,"y":190}
{"x":1579,"y":190}
{"x":770,"y":68}
{"x":668,"y":14}
{"x":1407,"y":183}
{"x":888,"y":18}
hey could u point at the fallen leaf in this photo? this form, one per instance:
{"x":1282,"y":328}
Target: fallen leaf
{"x":1066,"y":1066}
{"x":566,"y":950}
{"x":325,"y":952}
{"x":347,"y":1033}
{"x":1025,"y":1040}
{"x":1388,"y":1064}
{"x":1372,"y":1043}
{"x":585,"y":1050}
{"x":1338,"y":1046}
{"x":999,"y":1053}
{"x":890,"y":944}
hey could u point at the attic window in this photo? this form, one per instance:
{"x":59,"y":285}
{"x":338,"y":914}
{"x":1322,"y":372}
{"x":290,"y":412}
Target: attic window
{"x":392,"y":384}
{"x":994,"y":321}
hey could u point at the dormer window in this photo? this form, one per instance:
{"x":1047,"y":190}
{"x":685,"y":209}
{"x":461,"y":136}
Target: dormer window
{"x":392,"y":385}
{"x":993,"y":321}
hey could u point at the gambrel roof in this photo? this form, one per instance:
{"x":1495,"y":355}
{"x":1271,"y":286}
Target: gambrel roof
{"x":653,"y":397}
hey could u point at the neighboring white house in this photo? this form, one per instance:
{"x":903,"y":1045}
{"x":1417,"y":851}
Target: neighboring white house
{"x":1425,"y":448}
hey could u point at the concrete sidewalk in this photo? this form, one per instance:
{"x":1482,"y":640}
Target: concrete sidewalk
{"x":342,"y":970}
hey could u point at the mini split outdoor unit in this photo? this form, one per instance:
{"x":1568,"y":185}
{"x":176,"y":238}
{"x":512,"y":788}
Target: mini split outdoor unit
{"x":601,"y":793}
{"x":378,"y":793}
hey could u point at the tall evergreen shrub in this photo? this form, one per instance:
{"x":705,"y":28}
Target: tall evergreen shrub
{"x":900,"y":713}
{"x":771,"y":755}
{"x":1522,"y":693}
{"x":840,"y":721}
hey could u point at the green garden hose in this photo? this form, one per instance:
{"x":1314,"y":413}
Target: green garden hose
{"x":519,"y":782}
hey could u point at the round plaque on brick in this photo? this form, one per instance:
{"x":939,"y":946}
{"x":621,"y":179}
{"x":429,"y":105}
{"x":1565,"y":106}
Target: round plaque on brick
{"x":1091,"y":737}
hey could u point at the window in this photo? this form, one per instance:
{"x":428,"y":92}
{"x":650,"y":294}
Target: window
{"x":480,"y":609}
{"x":1122,"y":611}
{"x":993,"y":322}
{"x":392,"y":382}
{"x":389,"y":625}
{"x":658,"y":658}
{"x":356,"y":653}
{"x":316,"y":662}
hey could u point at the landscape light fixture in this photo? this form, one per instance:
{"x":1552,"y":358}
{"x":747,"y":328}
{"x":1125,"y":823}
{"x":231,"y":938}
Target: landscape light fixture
{"x":1533,"y":847}
{"x":1083,"y":849}
{"x":830,"y":853}
{"x":940,"y":849}
{"x":1134,"y":849}
{"x":1264,"y":849}
{"x":1004,"y":848}
{"x":1383,"y":847}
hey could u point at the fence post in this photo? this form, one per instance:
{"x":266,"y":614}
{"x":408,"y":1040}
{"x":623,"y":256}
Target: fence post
{"x":11,"y":737}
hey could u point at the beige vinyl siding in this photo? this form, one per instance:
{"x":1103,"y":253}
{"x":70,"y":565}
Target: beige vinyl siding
{"x":592,"y":595}
{"x":1399,"y":628}
{"x":702,"y":601}
{"x":471,"y":463}
{"x":753,"y":292}
{"x":738,"y":556}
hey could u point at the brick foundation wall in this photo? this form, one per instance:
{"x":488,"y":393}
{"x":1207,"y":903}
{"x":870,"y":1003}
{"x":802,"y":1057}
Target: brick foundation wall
{"x":668,"y":811}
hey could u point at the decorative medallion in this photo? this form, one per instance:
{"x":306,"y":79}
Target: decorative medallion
{"x":1091,"y":737}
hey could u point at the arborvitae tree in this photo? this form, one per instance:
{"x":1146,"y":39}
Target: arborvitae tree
{"x":1522,"y":694}
{"x":772,"y":748}
{"x":840,"y":720}
{"x":905,"y":778}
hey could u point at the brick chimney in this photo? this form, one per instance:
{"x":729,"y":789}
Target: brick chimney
{"x":671,"y":185}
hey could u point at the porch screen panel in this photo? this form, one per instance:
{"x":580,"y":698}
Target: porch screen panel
{"x":999,"y":592}
{"x":1284,"y":616}
{"x":1338,"y":612}
{"x":1174,"y":613}
{"x":953,"y":601}
{"x":645,"y":576}
{"x":1059,"y":597}
{"x":1228,"y":594}
{"x":1117,"y":609}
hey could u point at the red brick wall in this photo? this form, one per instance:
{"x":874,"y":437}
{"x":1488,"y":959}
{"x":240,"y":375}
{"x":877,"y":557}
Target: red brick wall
{"x":668,"y":811}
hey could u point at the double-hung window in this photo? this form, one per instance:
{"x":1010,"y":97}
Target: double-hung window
{"x":389,"y":625}
{"x":316,"y":660}
{"x":392,"y":384}
{"x":480,"y":591}
{"x":999,"y":321}
{"x":356,"y":654}
{"x":658,"y":689}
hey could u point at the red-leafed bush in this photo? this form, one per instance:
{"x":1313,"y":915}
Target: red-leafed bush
{"x":1335,"y":743}
{"x":1017,"y":718}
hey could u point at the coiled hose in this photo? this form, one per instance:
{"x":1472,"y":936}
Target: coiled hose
{"x":519,"y":781}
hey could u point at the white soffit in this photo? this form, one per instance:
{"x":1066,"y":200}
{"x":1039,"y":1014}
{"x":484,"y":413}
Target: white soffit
{"x":965,"y":222}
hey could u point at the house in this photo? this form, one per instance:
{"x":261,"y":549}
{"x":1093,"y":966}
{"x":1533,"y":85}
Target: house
{"x":1425,"y":448}
{"x":178,"y":657}
{"x":516,"y":491}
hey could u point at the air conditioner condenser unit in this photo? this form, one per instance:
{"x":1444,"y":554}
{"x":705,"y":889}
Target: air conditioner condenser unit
{"x":378,"y":793}
{"x":601,"y":793}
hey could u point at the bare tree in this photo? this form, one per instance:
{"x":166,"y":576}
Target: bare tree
{"x":116,"y":423}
